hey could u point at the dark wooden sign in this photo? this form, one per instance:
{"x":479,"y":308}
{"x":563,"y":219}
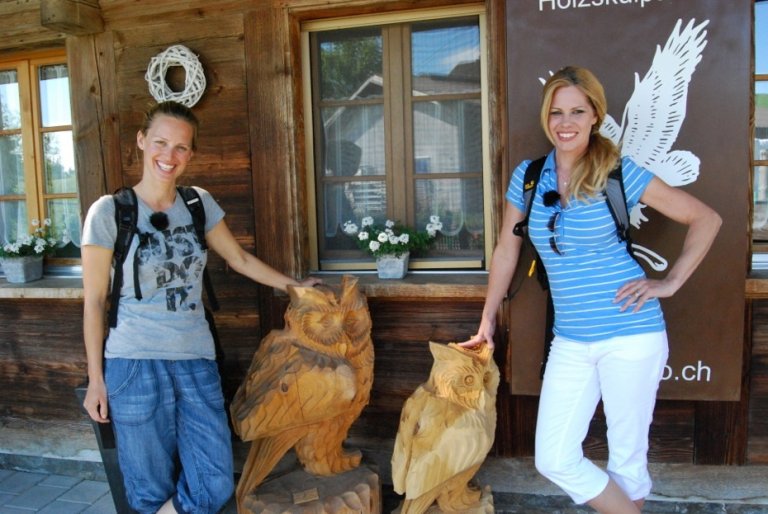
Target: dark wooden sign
{"x":636,"y":48}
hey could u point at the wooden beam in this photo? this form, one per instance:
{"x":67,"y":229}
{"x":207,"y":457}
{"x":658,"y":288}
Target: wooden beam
{"x":74,"y":17}
{"x":94,"y":116}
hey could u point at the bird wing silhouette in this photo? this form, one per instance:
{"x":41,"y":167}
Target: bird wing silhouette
{"x":655,"y":112}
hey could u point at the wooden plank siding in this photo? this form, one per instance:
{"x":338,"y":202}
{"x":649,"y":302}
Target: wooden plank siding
{"x":251,"y":159}
{"x":21,"y":28}
{"x":42,"y":358}
{"x":757,"y":452}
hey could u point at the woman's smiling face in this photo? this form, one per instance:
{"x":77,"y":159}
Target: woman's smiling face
{"x":570,"y":121}
{"x":167,"y":147}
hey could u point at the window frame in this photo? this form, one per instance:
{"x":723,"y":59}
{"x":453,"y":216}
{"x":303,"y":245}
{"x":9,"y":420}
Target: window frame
{"x":407,"y":17}
{"x":32,"y":133}
{"x":759,"y":245}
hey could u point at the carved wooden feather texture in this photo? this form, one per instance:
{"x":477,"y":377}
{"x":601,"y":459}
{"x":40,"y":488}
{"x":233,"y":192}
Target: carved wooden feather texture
{"x":307,"y":384}
{"x":447,"y":427}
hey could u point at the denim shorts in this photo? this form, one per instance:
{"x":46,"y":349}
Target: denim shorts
{"x":173,"y":438}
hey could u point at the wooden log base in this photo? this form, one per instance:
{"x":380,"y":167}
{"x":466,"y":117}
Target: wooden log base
{"x":299,"y":492}
{"x":484,"y":506}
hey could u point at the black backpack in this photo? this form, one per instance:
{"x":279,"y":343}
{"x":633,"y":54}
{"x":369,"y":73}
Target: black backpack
{"x":126,"y":214}
{"x":616,"y":199}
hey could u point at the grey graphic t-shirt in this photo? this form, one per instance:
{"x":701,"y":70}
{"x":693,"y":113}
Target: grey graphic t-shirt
{"x":169,"y":321}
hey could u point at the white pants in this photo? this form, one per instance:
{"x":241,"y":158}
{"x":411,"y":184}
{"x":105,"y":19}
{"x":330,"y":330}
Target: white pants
{"x":625,"y":372}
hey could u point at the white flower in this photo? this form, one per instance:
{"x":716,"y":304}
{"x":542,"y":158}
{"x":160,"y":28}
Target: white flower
{"x":38,"y":242}
{"x":386,"y":237}
{"x":434,"y":225}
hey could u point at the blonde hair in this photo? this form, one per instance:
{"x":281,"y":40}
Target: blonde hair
{"x":590,"y":174}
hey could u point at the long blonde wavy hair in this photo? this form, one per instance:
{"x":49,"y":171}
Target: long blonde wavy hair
{"x":590,"y":174}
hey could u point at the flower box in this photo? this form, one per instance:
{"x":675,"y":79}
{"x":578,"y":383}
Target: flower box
{"x":19,"y":270}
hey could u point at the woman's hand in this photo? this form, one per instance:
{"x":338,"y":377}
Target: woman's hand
{"x":484,"y":333}
{"x":310,"y":282}
{"x":95,"y":402}
{"x":637,"y":292}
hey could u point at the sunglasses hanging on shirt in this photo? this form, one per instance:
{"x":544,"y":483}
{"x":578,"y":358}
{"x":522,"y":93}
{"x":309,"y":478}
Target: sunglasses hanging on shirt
{"x":550,"y":199}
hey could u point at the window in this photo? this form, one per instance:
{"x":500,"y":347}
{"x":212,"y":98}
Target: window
{"x":760,"y":142}
{"x":397,"y":133}
{"x":38,"y":179}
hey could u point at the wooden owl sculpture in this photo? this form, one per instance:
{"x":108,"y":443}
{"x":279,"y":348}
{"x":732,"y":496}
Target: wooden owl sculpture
{"x":307,"y":384}
{"x":447,"y":427}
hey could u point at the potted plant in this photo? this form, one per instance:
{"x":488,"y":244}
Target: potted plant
{"x":22,"y":259}
{"x":392,"y":243}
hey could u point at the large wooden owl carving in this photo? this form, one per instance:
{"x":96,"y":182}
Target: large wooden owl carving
{"x":447,"y":427}
{"x":307,"y":384}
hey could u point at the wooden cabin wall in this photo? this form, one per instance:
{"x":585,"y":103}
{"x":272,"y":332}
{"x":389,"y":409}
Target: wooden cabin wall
{"x":21,"y":29}
{"x":251,"y":159}
{"x":42,"y":359}
{"x":758,"y":390}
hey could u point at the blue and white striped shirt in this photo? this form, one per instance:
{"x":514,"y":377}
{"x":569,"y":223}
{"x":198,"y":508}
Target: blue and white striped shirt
{"x":594,"y":263}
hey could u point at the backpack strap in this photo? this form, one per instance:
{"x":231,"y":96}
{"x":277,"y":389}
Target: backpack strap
{"x":126,"y":215}
{"x":616,"y":198}
{"x":530,"y":181}
{"x":195,"y":206}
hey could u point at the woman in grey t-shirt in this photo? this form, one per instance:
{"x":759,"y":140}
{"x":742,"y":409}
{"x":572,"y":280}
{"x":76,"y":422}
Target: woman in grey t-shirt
{"x":158,"y":384}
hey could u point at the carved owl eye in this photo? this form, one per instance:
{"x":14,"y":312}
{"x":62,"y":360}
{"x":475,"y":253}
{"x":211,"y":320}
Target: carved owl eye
{"x":469,"y":380}
{"x":324,"y":327}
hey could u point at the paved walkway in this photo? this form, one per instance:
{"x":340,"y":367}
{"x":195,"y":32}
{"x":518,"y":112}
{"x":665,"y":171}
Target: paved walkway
{"x":22,"y":492}
{"x":678,"y":489}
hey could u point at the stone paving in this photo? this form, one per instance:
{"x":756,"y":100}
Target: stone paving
{"x":24,"y":492}
{"x":516,"y":489}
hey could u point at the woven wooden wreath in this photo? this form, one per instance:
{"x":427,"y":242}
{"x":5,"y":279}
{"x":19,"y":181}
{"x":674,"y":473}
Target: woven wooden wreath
{"x":194,"y":80}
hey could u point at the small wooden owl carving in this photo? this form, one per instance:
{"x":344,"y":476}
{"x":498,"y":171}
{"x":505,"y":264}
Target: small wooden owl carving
{"x":307,"y":384}
{"x":447,"y":427}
